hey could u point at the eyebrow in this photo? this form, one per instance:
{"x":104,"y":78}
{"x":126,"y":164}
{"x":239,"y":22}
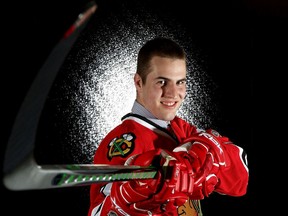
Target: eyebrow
{"x":184,"y":79}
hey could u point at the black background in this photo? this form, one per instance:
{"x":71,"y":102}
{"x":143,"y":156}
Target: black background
{"x":245,"y":43}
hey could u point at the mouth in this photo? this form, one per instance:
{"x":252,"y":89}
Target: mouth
{"x":169,"y":104}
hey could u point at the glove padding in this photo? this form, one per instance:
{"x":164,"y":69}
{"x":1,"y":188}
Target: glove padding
{"x":207,"y":156}
{"x":160,"y":195}
{"x":210,"y":141}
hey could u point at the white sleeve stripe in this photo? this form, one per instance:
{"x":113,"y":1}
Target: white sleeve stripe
{"x":97,"y":210}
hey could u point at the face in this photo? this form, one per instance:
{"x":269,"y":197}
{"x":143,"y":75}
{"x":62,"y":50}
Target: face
{"x":165,"y":87}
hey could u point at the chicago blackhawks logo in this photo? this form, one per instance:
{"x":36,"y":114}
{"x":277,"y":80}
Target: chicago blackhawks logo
{"x":122,"y":146}
{"x":191,"y":208}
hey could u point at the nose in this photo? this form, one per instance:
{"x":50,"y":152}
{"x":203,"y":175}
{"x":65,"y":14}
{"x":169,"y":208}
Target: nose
{"x":170,"y":91}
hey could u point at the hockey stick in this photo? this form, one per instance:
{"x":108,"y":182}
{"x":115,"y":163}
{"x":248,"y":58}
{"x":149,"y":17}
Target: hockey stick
{"x":20,"y":145}
{"x":21,"y":172}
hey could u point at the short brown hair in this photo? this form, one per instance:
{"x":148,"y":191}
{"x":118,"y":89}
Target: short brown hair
{"x":159,"y":46}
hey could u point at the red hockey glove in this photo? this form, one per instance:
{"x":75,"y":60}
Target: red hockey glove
{"x":210,"y":141}
{"x":157,"y":196}
{"x":207,"y":155}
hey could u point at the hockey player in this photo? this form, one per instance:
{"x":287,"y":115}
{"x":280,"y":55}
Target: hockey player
{"x":200,"y":161}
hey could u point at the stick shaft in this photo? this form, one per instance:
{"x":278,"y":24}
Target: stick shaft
{"x":85,"y":174}
{"x":21,"y":142}
{"x":31,"y":176}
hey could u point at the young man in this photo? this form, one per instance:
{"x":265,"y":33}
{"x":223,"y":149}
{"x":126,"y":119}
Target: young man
{"x":200,"y":161}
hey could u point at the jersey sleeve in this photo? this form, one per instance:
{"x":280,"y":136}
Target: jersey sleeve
{"x":233,"y":178}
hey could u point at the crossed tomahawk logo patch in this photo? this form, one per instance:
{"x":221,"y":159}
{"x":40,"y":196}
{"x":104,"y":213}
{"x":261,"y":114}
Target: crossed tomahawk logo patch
{"x":122,"y":146}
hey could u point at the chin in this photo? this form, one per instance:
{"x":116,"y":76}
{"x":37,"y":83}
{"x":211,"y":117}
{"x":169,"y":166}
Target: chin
{"x":169,"y":118}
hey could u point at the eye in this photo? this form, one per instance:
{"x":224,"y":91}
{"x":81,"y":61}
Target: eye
{"x":161,"y":82}
{"x":181,"y":82}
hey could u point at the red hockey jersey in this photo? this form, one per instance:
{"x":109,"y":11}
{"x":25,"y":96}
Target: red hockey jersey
{"x":136,"y":135}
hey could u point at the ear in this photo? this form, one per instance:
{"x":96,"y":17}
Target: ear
{"x":138,"y":81}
